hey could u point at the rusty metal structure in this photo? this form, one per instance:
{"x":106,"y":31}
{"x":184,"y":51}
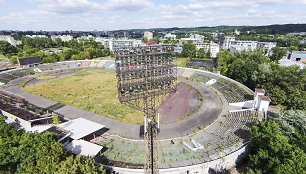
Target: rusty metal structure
{"x":146,"y":75}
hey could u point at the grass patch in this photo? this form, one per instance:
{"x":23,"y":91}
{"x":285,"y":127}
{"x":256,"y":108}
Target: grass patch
{"x":45,"y":77}
{"x":24,"y":83}
{"x":2,"y":56}
{"x":181,"y":61}
{"x":91,"y":90}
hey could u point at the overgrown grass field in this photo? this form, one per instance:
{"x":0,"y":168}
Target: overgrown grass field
{"x":91,"y":90}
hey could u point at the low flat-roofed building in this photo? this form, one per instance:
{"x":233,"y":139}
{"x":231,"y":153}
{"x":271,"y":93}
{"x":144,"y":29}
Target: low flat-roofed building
{"x":80,"y":127}
{"x":299,"y":56}
{"x":207,"y":64}
{"x":85,"y":148}
{"x":286,"y":62}
{"x":27,"y":62}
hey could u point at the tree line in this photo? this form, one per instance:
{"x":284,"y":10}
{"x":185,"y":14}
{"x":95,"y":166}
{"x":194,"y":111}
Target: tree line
{"x":71,"y":50}
{"x":190,"y":51}
{"x":284,"y":85}
{"x":279,"y":145}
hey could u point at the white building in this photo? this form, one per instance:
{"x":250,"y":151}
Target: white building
{"x":64,"y":38}
{"x":241,"y":45}
{"x":205,"y":46}
{"x":214,"y":49}
{"x":148,"y":35}
{"x":266,"y":46}
{"x":113,"y":44}
{"x":10,"y":40}
{"x":194,"y":38}
{"x":237,"y":32}
{"x":170,"y":36}
{"x":286,"y":62}
{"x":227,"y":42}
{"x":33,"y":36}
{"x":178,"y":49}
{"x":85,"y":37}
{"x":100,"y":39}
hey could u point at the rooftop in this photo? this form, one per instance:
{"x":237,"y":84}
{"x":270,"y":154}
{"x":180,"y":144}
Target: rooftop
{"x":298,"y":54}
{"x":259,"y":90}
{"x":85,"y":148}
{"x":265,"y":98}
{"x":29,"y":60}
{"x":80,"y":127}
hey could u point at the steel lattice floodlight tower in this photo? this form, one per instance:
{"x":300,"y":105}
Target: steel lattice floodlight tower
{"x":146,"y":75}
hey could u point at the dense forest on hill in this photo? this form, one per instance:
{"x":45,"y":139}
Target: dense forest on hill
{"x":269,"y":29}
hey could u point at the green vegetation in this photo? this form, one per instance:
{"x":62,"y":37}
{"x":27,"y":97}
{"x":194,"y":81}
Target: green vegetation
{"x":7,"y":49}
{"x":189,"y":50}
{"x":45,"y":77}
{"x":56,"y":118}
{"x":91,"y":90}
{"x":22,"y":152}
{"x":2,"y":58}
{"x":182,"y":62}
{"x":279,"y":146}
{"x":24,"y":83}
{"x":292,"y":42}
{"x":72,"y":50}
{"x":284,"y":85}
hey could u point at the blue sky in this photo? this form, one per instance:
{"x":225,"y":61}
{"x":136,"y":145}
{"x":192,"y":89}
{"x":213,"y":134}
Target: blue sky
{"x":127,"y":14}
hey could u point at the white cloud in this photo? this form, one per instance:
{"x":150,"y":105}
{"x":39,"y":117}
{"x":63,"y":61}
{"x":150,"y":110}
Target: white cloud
{"x":124,"y":14}
{"x":252,"y":12}
{"x":67,"y":6}
{"x":128,"y":5}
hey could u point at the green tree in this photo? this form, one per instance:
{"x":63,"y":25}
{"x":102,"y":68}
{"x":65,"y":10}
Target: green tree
{"x":189,"y":50}
{"x":7,"y":49}
{"x":32,"y":153}
{"x":78,"y":164}
{"x":201,"y":53}
{"x":58,"y":42}
{"x":272,"y":152}
{"x":90,"y":53}
{"x":56,"y":118}
{"x":67,"y":54}
{"x":278,"y":53}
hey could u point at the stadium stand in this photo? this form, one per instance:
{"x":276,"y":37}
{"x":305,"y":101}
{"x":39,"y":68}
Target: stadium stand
{"x":232,"y":92}
{"x":223,"y":135}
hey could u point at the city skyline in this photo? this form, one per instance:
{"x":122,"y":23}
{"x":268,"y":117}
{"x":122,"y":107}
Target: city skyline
{"x":130,"y":14}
